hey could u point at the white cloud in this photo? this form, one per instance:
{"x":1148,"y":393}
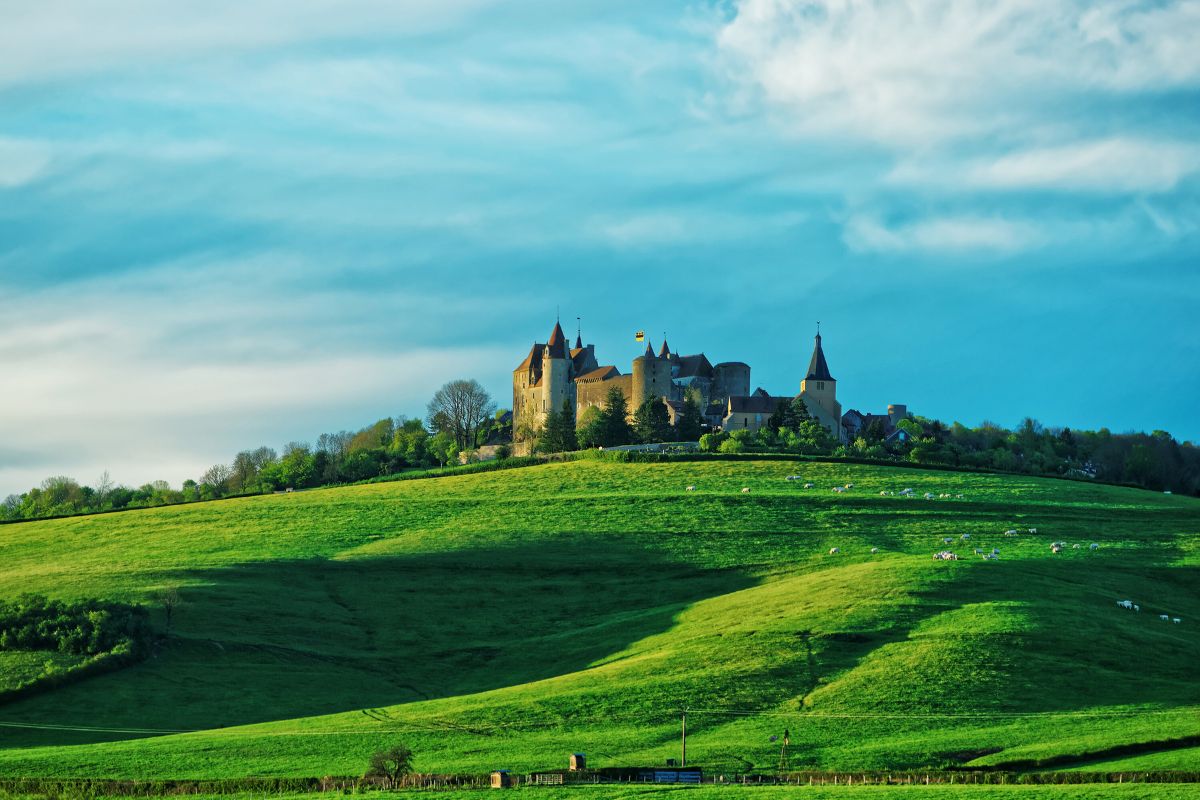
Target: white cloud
{"x":947,"y":235}
{"x":22,"y":161}
{"x":913,"y":74}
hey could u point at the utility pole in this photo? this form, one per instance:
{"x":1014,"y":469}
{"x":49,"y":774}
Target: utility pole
{"x":683,"y":752}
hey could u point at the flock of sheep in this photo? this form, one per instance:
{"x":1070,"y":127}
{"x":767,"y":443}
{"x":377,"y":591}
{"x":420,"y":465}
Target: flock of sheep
{"x":1131,"y":606}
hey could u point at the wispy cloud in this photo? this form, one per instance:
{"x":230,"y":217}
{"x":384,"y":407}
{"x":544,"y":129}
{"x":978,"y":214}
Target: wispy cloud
{"x":941,"y":235}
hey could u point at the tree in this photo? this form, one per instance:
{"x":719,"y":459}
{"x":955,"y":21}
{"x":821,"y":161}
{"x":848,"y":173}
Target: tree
{"x":443,"y":448}
{"x":690,"y":422}
{"x":216,"y":478}
{"x":171,"y":601}
{"x":651,"y":422}
{"x":558,"y":433}
{"x":459,"y":408}
{"x":391,"y":764}
{"x":611,"y":427}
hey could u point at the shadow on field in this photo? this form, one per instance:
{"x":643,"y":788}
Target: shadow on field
{"x":278,"y":640}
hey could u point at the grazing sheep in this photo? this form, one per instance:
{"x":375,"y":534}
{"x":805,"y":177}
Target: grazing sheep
{"x":874,"y":549}
{"x":839,"y":489}
{"x":966,"y":536}
{"x":929,"y":496}
{"x":809,"y":485}
{"x":1137,"y":608}
{"x":833,"y":551}
{"x":1176,"y":620}
{"x":849,"y":485}
{"x":995,"y":552}
{"x":691,"y":488}
{"x":1125,"y":603}
{"x":1093,"y":546}
{"x":978,"y":552}
{"x":1164,"y":617}
{"x":745,"y":490}
{"x":1033,"y":530}
{"x":945,"y":555}
{"x":1074,"y":547}
{"x":1010,"y":533}
{"x":958,"y":497}
{"x":1054,"y":548}
{"x":883,"y":494}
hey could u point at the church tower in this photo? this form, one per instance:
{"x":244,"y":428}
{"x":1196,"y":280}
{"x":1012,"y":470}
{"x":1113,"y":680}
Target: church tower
{"x":818,"y":390}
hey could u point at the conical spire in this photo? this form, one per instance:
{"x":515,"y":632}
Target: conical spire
{"x":578,"y":342}
{"x":664,"y":351}
{"x":649,"y":350}
{"x":818,"y":369}
{"x":557,"y":344}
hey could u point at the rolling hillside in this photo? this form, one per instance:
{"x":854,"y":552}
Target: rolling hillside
{"x":505,"y":619}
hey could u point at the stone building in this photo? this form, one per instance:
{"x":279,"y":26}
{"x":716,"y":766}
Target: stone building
{"x":553,"y":372}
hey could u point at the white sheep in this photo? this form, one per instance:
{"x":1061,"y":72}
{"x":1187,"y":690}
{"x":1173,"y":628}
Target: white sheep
{"x":691,"y":488}
{"x":833,"y":551}
{"x":809,"y":485}
{"x":883,"y":493}
{"x":1055,"y":548}
{"x":1137,"y":608}
{"x":1074,"y":547}
{"x":874,"y":550}
{"x":1164,"y":617}
{"x":1176,"y":620}
{"x":745,"y":490}
{"x":1011,"y":532}
{"x":1033,"y":530}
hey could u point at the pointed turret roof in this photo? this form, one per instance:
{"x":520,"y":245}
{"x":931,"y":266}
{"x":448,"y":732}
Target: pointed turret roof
{"x":818,"y":369}
{"x":557,"y":344}
{"x":578,"y":341}
{"x":664,"y":351}
{"x":649,"y":350}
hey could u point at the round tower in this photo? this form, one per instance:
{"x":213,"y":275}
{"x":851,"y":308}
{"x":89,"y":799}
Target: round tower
{"x":642,"y":365}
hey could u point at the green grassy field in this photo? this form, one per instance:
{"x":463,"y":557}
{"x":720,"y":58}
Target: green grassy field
{"x":506,"y":619}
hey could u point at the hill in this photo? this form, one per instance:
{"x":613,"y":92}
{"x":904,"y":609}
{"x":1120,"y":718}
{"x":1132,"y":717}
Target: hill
{"x":505,"y":619}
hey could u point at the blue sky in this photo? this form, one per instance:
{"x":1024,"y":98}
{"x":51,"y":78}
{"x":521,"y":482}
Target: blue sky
{"x":231,"y":224}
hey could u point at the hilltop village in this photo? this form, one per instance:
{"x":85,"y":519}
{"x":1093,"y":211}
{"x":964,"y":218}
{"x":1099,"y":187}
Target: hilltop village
{"x":554,"y":373}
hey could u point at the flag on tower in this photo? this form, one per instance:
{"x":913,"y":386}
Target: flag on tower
{"x":640,"y":336}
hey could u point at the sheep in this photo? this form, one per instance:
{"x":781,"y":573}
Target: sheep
{"x":874,"y":550}
{"x":1125,"y":603}
{"x":1093,"y":546}
{"x":1137,"y":608}
{"x":1033,"y":530}
{"x":1176,"y":620}
{"x":833,"y":551}
{"x":1010,"y":533}
{"x":809,"y":485}
{"x":945,"y":555}
{"x":929,"y":496}
{"x":1164,"y":617}
{"x":745,"y":490}
{"x":1075,"y":547}
{"x":966,"y":536}
{"x":978,"y":552}
{"x":849,"y":485}
{"x":839,"y":489}
{"x":883,"y":493}
{"x":995,"y":552}
{"x":947,"y":539}
{"x":958,"y":497}
{"x":1055,"y":548}
{"x":691,"y":488}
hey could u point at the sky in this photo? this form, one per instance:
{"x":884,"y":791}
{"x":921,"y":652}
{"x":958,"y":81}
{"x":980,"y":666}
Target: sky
{"x":232,"y":223}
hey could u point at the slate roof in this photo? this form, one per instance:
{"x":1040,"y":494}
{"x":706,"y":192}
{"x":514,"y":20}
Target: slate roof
{"x":818,"y":369}
{"x":557,"y":342}
{"x":758,"y":404}
{"x":694,"y":366}
{"x":600,"y":374}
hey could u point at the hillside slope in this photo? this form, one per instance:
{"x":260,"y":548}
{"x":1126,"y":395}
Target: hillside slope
{"x":507,"y":618}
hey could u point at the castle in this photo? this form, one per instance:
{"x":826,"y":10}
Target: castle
{"x":553,"y":373}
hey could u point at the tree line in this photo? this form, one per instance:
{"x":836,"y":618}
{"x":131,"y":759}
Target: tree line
{"x":460,"y":417}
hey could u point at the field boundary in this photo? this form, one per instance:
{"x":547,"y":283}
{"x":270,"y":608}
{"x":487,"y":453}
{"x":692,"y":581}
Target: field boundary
{"x":1116,"y":751}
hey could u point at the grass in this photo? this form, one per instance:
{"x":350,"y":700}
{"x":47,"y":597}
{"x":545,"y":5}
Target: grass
{"x":506,"y":619}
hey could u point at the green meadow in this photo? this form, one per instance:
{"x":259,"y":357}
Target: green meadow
{"x":506,"y":619}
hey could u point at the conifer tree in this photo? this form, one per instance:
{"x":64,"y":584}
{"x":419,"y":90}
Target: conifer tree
{"x":612,"y":423}
{"x":558,"y":433}
{"x":690,"y":422}
{"x":651,"y":422}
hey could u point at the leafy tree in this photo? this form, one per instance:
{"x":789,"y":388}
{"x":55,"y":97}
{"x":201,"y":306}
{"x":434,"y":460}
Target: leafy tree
{"x":392,"y":764}
{"x":459,"y":408}
{"x":443,"y":448}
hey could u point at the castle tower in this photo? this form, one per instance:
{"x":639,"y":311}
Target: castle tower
{"x":818,"y":389}
{"x":558,"y":382}
{"x":651,"y":378}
